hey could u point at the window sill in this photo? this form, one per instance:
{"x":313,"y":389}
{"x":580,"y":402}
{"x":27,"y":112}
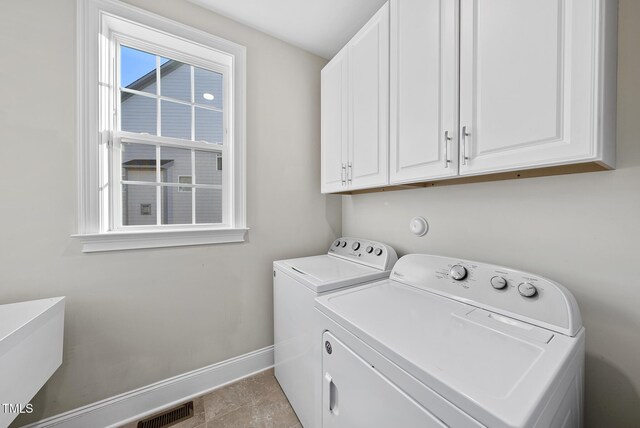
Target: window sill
{"x":114,"y":241}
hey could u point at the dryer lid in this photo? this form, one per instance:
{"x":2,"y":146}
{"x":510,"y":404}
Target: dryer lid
{"x":495,"y":368}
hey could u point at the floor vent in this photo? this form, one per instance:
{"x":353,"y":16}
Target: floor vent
{"x":168,"y":417}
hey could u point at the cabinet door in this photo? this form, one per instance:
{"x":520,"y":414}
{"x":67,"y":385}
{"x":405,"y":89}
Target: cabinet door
{"x":424,"y":90}
{"x":356,"y":395}
{"x":334,"y":79}
{"x":527,"y":83}
{"x":369,"y":103}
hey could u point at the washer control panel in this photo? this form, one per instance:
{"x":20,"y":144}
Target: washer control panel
{"x":370,"y":253}
{"x":524,"y":296}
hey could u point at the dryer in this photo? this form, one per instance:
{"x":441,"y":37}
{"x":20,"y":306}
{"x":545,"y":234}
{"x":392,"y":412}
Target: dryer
{"x":296,"y":284}
{"x":450,"y":342}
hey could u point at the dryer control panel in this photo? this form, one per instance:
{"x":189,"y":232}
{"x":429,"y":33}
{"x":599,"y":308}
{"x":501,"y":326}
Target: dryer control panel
{"x":520,"y":295}
{"x":366,"y":252}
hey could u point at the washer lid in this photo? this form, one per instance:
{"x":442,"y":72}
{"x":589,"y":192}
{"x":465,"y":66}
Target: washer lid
{"x":497,"y":369}
{"x":324,"y":273}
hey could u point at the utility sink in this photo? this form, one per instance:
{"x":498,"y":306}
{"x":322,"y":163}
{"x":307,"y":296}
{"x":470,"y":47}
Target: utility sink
{"x":30,"y":351}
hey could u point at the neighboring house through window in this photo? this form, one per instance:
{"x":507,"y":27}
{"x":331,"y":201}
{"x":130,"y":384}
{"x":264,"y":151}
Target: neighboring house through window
{"x":168,"y":103}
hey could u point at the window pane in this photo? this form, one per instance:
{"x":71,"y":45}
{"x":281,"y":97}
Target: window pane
{"x":186,"y":179}
{"x":138,"y":205}
{"x":208,"y":126}
{"x":138,"y":162}
{"x":207,"y":168}
{"x":208,"y":87}
{"x":138,"y":113}
{"x":176,"y":206}
{"x":208,"y":205}
{"x":175,"y":163}
{"x":137,"y":70}
{"x":175,"y":80}
{"x":176,"y":120}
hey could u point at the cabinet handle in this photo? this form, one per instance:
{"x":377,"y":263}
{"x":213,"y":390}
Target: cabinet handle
{"x":343,"y":174}
{"x":350,"y":173}
{"x":447,"y":138}
{"x":465,"y":134}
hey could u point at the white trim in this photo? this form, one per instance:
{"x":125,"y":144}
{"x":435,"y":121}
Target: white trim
{"x":174,"y":100}
{"x":93,"y":167}
{"x":136,"y":404}
{"x":113,"y":241}
{"x":131,"y":137}
{"x":169,"y":184}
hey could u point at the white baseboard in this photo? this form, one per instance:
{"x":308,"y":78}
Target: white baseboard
{"x":133,"y":405}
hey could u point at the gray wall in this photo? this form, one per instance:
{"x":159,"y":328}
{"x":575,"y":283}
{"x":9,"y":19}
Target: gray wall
{"x":136,"y":317}
{"x":580,"y":230}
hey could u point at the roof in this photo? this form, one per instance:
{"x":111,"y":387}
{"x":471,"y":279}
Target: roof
{"x":150,"y":77}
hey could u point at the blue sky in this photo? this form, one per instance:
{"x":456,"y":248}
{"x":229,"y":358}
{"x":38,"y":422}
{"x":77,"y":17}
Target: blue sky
{"x":135,"y":64}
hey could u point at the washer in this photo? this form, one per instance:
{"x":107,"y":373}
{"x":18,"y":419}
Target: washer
{"x":296,"y":283}
{"x":450,"y":342}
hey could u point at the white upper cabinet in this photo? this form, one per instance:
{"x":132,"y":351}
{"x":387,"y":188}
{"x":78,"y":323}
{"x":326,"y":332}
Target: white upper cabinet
{"x":537,"y":83}
{"x":355,"y":111}
{"x":369,"y":103}
{"x":334,"y":124}
{"x":441,"y":89}
{"x":424,"y":90}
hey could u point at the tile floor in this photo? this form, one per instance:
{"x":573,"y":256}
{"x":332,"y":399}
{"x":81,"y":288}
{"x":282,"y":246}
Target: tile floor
{"x":253,"y":402}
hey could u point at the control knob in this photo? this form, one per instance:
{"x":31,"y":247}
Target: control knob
{"x":344,"y":244}
{"x":458,"y":272}
{"x":369,"y":249}
{"x":355,"y":246}
{"x":498,"y":282}
{"x":526,"y":289}
{"x":378,"y":251}
{"x":338,"y":243}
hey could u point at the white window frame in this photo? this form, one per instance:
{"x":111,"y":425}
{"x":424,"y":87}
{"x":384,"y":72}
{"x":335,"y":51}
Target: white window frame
{"x":102,"y":24}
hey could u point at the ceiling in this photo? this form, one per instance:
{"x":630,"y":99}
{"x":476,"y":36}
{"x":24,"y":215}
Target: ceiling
{"x":322,"y":27}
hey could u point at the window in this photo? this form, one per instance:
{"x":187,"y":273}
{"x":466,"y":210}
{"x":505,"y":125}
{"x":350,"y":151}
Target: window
{"x":168,"y":104}
{"x":184,"y":179}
